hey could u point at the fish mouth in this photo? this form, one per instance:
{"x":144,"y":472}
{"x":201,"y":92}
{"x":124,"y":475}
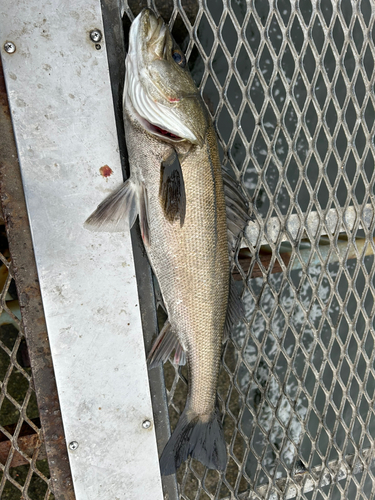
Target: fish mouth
{"x":148,"y":34}
{"x":165,"y":133}
{"x":148,"y":27}
{"x":156,"y":27}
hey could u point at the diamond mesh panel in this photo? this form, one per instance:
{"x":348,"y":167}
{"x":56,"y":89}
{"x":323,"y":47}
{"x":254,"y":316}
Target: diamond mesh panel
{"x":290,"y":89}
{"x":24,"y":470}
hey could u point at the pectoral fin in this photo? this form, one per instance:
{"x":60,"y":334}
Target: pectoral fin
{"x":163,"y":346}
{"x":118,"y":211}
{"x":172,"y":189}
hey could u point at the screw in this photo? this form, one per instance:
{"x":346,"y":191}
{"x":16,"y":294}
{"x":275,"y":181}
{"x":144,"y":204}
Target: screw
{"x":146,"y":424}
{"x":9,"y":47}
{"x":73,"y":445}
{"x":96,"y":36}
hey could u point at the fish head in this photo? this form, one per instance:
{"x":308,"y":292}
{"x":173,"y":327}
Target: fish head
{"x":159,"y":89}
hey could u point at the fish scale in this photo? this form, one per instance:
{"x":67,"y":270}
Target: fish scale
{"x":191,"y":263}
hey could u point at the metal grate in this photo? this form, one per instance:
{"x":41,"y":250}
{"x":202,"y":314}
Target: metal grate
{"x":23,"y":465}
{"x":290,"y":88}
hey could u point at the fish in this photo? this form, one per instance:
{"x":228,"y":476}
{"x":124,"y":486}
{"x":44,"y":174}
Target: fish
{"x":190,"y":215}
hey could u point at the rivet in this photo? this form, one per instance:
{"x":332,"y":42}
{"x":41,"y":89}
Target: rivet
{"x":9,"y":47}
{"x":146,"y":424}
{"x":96,"y":35}
{"x":73,"y":445}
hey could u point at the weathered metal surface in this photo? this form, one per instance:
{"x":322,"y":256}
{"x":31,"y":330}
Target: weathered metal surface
{"x":28,"y":441}
{"x":116,"y":58}
{"x":24,"y":269}
{"x":344,"y":251}
{"x":156,"y":378}
{"x":61,"y":104}
{"x":314,"y":225}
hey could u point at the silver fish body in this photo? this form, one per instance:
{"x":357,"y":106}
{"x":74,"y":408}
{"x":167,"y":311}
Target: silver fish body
{"x":190,"y":262}
{"x":176,"y":188}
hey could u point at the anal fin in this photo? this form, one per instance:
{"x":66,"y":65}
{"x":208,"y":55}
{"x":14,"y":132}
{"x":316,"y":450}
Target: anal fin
{"x":163,"y":346}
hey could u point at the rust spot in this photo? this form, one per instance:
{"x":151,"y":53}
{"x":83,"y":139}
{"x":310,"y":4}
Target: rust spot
{"x":3,"y":94}
{"x":105,"y":171}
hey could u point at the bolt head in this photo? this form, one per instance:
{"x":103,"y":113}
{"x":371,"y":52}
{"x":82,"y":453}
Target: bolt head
{"x":73,"y":445}
{"x":9,"y":47}
{"x":96,"y":36}
{"x":146,"y":424}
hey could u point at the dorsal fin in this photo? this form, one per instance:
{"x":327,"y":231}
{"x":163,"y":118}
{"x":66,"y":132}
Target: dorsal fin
{"x":163,"y":346}
{"x":235,"y":310}
{"x":237,"y":209}
{"x":172,"y":189}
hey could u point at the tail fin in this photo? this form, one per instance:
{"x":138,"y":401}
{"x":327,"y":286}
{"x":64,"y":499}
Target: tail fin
{"x":203,"y":440}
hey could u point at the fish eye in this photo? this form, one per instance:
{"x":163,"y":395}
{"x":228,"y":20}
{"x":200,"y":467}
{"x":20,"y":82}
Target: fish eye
{"x":179,"y":58}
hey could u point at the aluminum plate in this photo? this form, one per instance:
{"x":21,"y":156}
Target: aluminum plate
{"x":60,"y":96}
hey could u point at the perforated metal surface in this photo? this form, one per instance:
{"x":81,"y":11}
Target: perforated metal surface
{"x":290,"y":89}
{"x":23,"y":465}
